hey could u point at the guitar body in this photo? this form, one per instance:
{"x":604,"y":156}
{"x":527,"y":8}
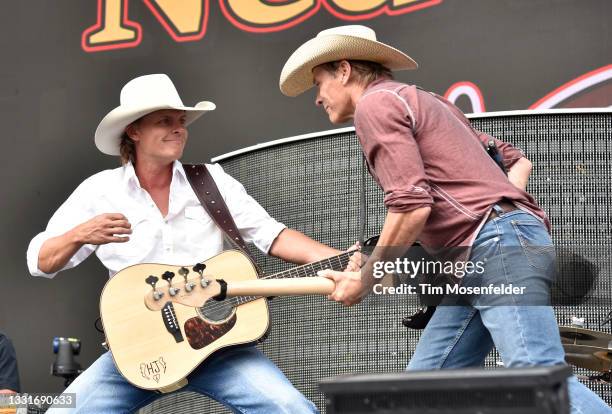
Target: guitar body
{"x":157,"y":349}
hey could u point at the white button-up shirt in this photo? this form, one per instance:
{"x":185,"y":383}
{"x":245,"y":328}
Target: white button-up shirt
{"x":186,"y":235}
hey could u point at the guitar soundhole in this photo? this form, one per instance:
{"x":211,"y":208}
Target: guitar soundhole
{"x":216,"y":311}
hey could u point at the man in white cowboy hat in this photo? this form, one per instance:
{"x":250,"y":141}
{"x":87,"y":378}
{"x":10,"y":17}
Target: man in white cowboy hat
{"x":442,"y":188}
{"x":146,"y":211}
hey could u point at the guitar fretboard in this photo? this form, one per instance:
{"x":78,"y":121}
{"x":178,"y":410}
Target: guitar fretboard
{"x":338,"y":263}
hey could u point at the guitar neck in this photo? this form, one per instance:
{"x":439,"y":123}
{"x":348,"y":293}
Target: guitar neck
{"x":338,"y":263}
{"x":281,"y":287}
{"x":256,"y":290}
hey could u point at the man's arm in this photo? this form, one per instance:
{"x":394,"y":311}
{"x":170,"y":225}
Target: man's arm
{"x":519,"y":173}
{"x":57,"y":251}
{"x":399,"y":231}
{"x":74,"y":230}
{"x":295,"y":247}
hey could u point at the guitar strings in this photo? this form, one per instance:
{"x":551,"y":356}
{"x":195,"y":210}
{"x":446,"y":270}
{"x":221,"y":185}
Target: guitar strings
{"x":299,"y":271}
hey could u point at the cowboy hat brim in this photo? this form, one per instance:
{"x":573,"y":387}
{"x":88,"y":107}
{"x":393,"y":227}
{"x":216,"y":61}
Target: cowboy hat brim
{"x":296,"y":76}
{"x":109,"y":131}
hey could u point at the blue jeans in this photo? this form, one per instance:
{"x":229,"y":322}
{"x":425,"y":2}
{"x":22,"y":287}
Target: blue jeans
{"x":524,"y":335}
{"x":243,"y":379}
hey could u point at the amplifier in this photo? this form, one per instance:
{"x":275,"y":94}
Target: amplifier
{"x":312,"y":183}
{"x":536,"y":390}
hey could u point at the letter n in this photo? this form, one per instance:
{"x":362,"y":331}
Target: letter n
{"x":184,"y":20}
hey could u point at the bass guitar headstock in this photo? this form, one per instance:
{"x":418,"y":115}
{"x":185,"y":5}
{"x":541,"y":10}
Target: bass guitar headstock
{"x":193,"y":288}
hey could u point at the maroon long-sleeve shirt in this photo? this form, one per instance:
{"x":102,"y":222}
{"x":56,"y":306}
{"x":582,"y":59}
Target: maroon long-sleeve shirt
{"x":422,"y":151}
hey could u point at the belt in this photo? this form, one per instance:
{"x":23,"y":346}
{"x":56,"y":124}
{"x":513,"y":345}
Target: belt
{"x":504,"y":205}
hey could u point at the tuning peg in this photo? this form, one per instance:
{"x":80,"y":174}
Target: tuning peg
{"x":152,"y":280}
{"x":199,"y":267}
{"x":183,"y":271}
{"x":167,"y":276}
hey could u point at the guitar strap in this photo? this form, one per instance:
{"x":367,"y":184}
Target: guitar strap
{"x":208,"y":193}
{"x":363,"y":217}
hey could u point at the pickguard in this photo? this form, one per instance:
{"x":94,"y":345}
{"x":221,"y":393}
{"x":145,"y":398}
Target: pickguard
{"x":201,"y":333}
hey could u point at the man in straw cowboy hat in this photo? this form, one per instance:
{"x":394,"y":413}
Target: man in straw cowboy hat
{"x":443,"y":188}
{"x":146,"y":211}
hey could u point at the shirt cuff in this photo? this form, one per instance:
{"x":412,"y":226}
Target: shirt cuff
{"x":32,"y":257}
{"x":404,"y":201}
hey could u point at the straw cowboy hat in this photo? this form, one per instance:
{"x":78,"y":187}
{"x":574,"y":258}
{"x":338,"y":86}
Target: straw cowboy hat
{"x":344,"y":42}
{"x":139,"y":97}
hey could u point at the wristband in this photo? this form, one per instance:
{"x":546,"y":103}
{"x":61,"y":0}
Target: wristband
{"x":221,"y":296}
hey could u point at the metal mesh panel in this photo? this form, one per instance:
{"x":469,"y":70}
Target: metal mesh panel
{"x":313,"y":185}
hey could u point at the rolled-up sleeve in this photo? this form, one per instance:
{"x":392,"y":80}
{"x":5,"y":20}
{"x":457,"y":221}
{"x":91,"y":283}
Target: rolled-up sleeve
{"x":253,"y":221}
{"x":72,"y":212}
{"x":383,"y":121}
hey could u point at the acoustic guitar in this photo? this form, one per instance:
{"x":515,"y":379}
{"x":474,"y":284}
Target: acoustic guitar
{"x":161,"y":322}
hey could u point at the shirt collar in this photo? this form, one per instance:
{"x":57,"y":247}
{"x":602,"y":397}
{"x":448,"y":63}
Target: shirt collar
{"x":376,"y":82}
{"x":130,"y":177}
{"x":371,"y":87}
{"x":178,"y":170}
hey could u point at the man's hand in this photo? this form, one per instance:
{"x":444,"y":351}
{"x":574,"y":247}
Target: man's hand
{"x":349,"y":287}
{"x":357,"y":259}
{"x":400,"y":229}
{"x":103,"y":229}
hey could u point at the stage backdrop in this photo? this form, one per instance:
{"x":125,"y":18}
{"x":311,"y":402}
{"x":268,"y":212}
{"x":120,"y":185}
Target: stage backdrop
{"x":64,"y":62}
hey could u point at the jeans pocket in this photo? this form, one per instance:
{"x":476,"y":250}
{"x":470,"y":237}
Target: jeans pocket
{"x":487,"y":248}
{"x":536,"y":243}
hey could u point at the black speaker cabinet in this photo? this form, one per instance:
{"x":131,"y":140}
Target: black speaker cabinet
{"x":541,"y":390}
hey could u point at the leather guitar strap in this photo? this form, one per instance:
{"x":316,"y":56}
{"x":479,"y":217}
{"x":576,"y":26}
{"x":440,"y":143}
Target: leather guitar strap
{"x":206,"y":190}
{"x":363,"y":218}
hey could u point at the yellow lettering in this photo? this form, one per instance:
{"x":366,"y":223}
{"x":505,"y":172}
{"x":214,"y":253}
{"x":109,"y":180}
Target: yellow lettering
{"x":186,"y":20}
{"x":360,"y":5}
{"x":110,"y":15}
{"x":184,"y":17}
{"x":259,"y":13}
{"x":400,"y":3}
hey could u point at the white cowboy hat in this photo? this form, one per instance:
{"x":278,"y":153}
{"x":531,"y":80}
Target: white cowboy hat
{"x":140,"y":97}
{"x":345,"y":42}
